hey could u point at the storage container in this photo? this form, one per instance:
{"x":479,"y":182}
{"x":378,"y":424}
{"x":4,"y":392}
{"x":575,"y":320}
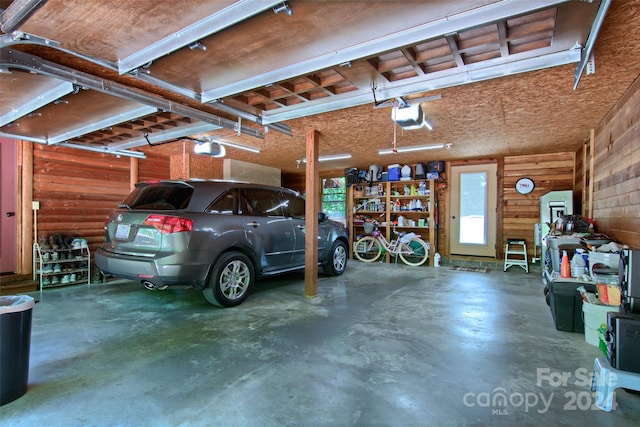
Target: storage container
{"x":595,"y":316}
{"x":570,"y":244}
{"x":393,"y":172}
{"x":565,"y":303}
{"x":609,"y":259}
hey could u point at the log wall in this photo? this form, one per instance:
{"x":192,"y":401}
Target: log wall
{"x":76,"y":189}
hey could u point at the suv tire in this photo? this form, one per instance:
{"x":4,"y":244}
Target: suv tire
{"x":231,"y":280}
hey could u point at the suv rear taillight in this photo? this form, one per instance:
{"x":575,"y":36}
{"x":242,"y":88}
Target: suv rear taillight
{"x":168,"y":224}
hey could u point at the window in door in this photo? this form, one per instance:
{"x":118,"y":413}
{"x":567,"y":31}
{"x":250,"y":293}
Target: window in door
{"x":473,"y":210}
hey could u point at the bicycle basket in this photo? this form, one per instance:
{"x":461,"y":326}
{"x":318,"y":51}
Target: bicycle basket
{"x":368,"y":227}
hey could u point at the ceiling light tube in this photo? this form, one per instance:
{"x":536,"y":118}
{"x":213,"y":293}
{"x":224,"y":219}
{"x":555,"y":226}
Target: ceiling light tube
{"x":414,"y":148}
{"x":105,"y":150}
{"x":328,"y":158}
{"x":234,"y":145}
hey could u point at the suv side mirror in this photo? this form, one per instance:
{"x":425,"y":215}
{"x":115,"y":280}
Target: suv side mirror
{"x":322,"y":216}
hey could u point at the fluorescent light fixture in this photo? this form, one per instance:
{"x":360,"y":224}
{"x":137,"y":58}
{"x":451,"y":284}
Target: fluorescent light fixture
{"x":105,"y":150}
{"x":414,"y":148}
{"x":234,"y":145}
{"x":410,"y":117}
{"x":328,"y":158}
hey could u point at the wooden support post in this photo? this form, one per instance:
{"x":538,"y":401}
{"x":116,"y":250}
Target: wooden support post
{"x":311,"y":216}
{"x":26,"y":225}
{"x":133,"y":172}
{"x":592,"y":164}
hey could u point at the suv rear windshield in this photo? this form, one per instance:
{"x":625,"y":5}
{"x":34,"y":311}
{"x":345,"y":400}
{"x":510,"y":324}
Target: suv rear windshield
{"x":159,"y":197}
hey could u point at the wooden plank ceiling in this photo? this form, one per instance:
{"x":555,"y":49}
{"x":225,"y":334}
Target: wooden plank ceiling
{"x":495,"y":78}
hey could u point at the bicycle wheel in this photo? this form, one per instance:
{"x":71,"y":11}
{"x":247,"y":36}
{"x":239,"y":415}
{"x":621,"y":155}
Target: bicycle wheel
{"x":420,"y":252}
{"x":367,"y":249}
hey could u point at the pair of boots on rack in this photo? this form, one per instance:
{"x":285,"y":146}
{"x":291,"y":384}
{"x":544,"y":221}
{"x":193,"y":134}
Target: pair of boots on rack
{"x":56,"y":242}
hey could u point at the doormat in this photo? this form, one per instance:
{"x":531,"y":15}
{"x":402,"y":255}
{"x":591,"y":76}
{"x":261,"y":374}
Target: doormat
{"x":472,"y":269}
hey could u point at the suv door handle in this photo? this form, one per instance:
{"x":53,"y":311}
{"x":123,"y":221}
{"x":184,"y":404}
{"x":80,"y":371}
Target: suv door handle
{"x":253,"y":224}
{"x":300,"y":227}
{"x":9,"y":214}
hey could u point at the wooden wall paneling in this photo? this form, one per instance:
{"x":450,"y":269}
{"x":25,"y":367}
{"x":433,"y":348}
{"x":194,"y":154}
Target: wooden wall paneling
{"x":154,"y":166}
{"x":590,"y":176}
{"x":616,"y":183}
{"x":584,"y":175}
{"x":578,"y":181}
{"x":520,"y":213}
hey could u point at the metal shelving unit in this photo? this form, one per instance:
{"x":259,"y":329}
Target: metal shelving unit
{"x":61,"y":267}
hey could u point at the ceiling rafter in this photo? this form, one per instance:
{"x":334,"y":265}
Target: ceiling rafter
{"x":317,"y":81}
{"x":410,"y":55}
{"x":453,"y":46}
{"x":502,"y":36}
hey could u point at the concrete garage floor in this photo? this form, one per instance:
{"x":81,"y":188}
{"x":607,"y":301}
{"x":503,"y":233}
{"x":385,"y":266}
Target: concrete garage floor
{"x":382,"y":345}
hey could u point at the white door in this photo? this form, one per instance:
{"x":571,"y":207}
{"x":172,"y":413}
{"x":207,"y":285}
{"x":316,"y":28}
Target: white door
{"x":473,"y":210}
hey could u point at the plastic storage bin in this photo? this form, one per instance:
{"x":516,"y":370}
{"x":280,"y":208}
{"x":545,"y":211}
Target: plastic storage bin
{"x":570,"y":244}
{"x":15,"y":345}
{"x":609,"y":259}
{"x":393,"y":172}
{"x":565,"y":303}
{"x":595,"y":316}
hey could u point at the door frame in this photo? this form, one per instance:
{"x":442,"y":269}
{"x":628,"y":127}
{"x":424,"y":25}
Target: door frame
{"x":497,"y":215}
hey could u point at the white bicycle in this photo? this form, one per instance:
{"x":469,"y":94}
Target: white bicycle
{"x":411,"y":249}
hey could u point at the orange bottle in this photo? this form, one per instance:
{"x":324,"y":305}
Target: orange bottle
{"x":565,"y":268}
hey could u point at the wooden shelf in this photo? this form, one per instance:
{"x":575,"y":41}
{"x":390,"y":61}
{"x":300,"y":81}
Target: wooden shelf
{"x":384,"y":217}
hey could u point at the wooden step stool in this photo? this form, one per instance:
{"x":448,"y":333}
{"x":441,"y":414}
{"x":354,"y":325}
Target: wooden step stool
{"x":520,"y":250}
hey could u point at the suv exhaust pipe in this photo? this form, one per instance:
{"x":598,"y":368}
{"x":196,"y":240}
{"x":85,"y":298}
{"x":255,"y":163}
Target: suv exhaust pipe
{"x":150,"y":286}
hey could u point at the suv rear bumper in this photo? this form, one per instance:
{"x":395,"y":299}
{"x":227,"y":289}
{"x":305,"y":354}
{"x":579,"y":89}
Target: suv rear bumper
{"x":153,"y":270}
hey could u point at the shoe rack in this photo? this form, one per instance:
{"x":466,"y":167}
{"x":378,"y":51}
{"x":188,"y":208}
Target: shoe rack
{"x":61,"y":261}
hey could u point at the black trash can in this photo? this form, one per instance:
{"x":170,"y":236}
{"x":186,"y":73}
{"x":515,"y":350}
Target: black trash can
{"x":15,"y":344}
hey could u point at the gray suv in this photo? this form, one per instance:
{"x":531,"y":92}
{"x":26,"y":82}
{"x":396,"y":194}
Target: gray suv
{"x":215,"y":236}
